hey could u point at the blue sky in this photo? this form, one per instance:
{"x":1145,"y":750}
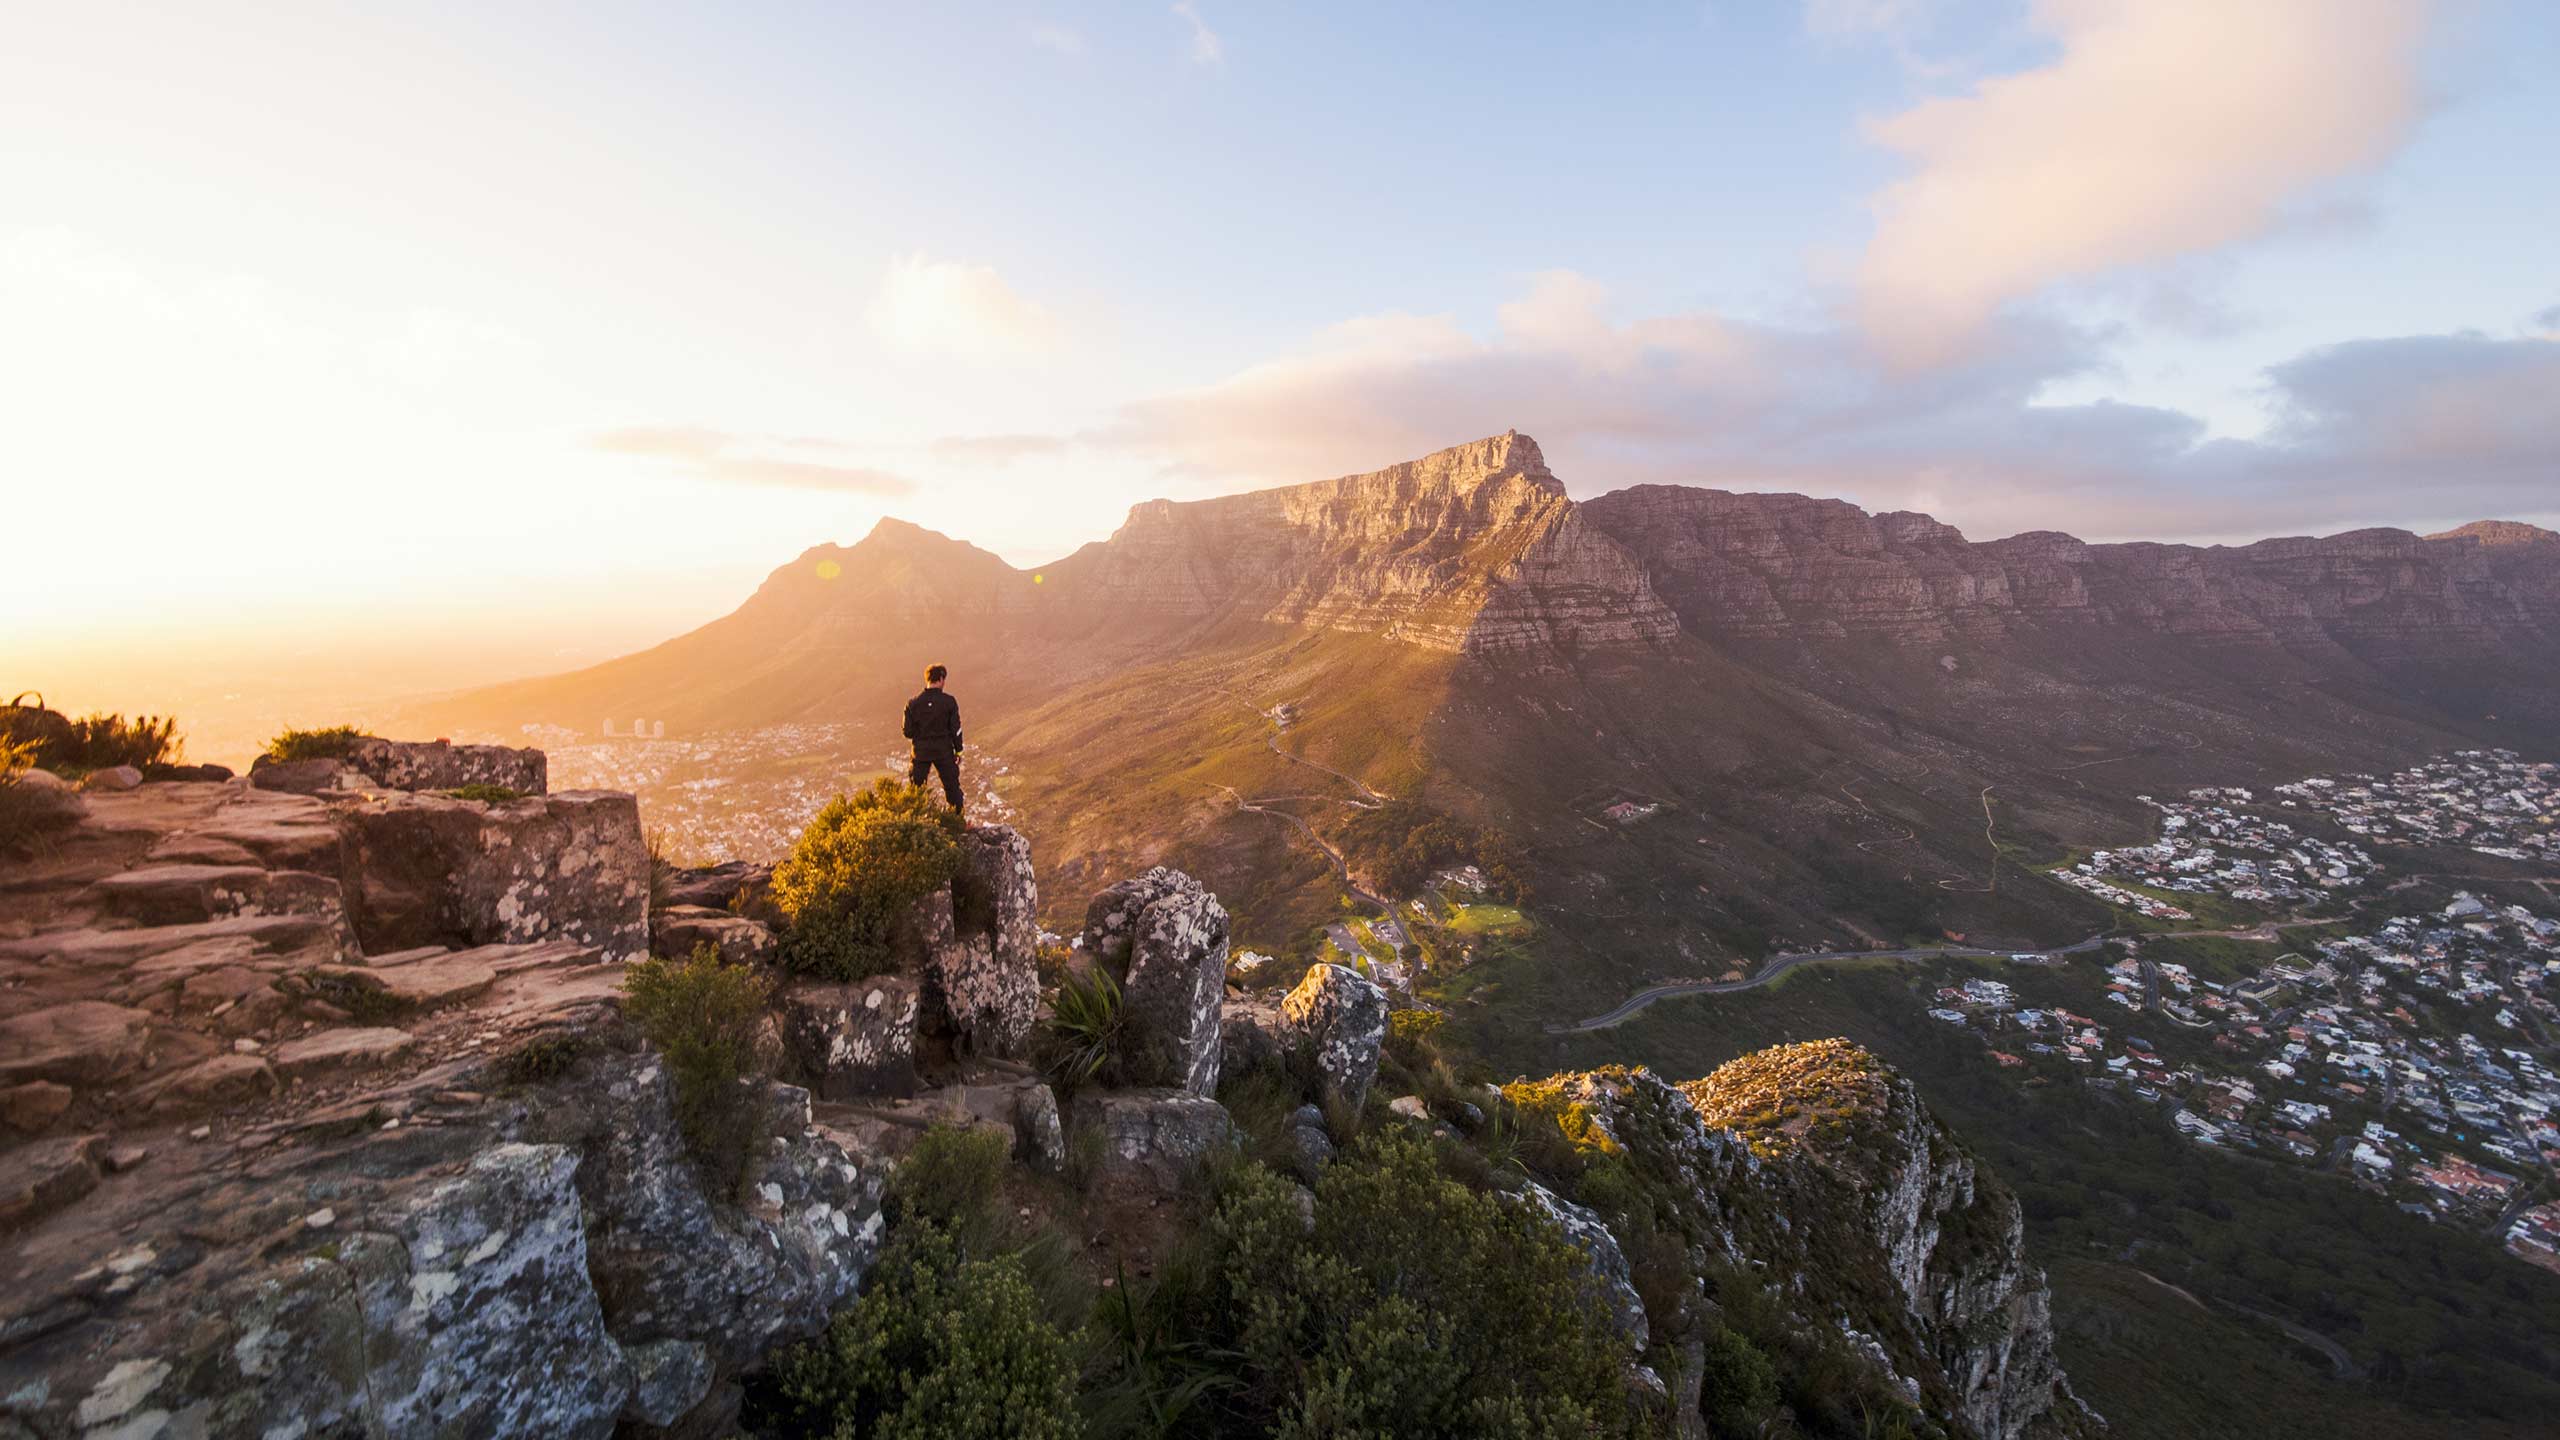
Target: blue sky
{"x":639,"y":301}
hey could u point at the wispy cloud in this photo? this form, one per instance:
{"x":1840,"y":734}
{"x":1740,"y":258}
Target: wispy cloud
{"x":1206,"y":48}
{"x":955,"y":308}
{"x":2381,"y":431}
{"x":725,"y":459}
{"x":2162,"y":128}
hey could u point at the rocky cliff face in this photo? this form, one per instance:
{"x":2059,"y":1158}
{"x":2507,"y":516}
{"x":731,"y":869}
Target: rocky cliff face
{"x":1787,"y":566}
{"x":1817,"y":1168}
{"x":1473,"y":549}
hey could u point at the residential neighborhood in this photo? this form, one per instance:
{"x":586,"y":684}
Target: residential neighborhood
{"x":2405,"y":1046}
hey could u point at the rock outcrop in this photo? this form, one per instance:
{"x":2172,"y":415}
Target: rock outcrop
{"x":1151,"y":1141}
{"x":1788,"y":566}
{"x":426,"y":869}
{"x":1840,"y":1188}
{"x":1339,"y":1017}
{"x":1164,"y":939}
{"x":545,"y":1264}
{"x":1473,"y":549}
{"x":985,"y":975}
{"x":372,"y":763}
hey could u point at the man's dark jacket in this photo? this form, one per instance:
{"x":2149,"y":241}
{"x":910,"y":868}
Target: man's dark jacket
{"x":933,"y":723}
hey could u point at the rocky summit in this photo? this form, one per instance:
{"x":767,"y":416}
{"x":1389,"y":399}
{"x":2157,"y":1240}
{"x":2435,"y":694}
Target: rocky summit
{"x":316,"y":1124}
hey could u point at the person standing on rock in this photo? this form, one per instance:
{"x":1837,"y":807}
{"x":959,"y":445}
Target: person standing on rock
{"x":933,"y":729}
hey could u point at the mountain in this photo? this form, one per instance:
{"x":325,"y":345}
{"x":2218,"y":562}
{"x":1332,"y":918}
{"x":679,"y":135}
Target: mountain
{"x":1850,"y":726}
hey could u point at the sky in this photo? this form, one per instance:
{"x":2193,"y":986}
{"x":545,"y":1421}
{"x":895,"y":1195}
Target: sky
{"x":438,"y":343}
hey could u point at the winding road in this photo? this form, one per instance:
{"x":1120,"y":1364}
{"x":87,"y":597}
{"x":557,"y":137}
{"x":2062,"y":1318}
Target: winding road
{"x":1778,"y":965}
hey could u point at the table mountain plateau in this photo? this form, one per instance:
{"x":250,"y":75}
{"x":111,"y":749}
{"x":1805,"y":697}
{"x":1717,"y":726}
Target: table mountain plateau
{"x":1850,"y":727}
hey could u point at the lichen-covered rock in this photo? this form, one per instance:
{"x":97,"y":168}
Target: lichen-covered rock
{"x":1612,"y":1282}
{"x":676,"y":931}
{"x":854,"y":1039}
{"x":495,"y":1328}
{"x":1111,"y":918}
{"x":1151,"y":1141}
{"x":425,"y":869}
{"x":1165,"y":939}
{"x":372,"y":763}
{"x":672,"y":1261}
{"x":318,"y":776}
{"x":547,"y":1265}
{"x":1026,"y":1108}
{"x":1340,"y":1017}
{"x":986,"y":977}
{"x":668,"y":1378}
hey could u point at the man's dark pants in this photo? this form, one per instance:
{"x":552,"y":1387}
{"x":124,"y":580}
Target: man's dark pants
{"x":943,"y":763}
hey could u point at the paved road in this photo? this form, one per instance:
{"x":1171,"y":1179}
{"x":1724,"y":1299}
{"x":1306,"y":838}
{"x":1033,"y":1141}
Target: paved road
{"x":1779,"y":965}
{"x":1341,"y":871}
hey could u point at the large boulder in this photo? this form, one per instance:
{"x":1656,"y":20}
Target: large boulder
{"x":1151,"y":1141}
{"x":1165,"y":939}
{"x":852,"y":1040}
{"x":425,"y":869}
{"x":986,"y":973}
{"x":372,"y":763}
{"x":1339,"y":1018}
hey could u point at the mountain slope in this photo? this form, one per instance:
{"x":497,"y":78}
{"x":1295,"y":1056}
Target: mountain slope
{"x":1854,"y":727}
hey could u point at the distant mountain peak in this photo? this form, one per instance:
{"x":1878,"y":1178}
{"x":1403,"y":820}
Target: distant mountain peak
{"x":2500,"y":532}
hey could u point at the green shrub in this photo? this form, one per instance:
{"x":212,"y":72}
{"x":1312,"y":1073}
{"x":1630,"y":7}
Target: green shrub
{"x":1390,"y":1319}
{"x":1410,"y":1036}
{"x":486,"y":794}
{"x":26,"y":813}
{"x":546,"y":1056}
{"x":708,"y":1020}
{"x":1738,"y":1386}
{"x":939,"y":1347}
{"x":857,"y":870}
{"x":1087,"y":1019}
{"x":334,"y":742}
{"x":949,"y":1179}
{"x":73,"y":748}
{"x":1403,"y":843}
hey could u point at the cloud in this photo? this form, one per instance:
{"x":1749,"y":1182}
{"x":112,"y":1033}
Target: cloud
{"x":954,"y":308}
{"x":2162,"y":128}
{"x":2384,"y":431}
{"x":725,"y":459}
{"x":1206,"y":48}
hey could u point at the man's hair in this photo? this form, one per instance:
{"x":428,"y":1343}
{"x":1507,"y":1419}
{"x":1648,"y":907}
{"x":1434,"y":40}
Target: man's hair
{"x":935,"y":674}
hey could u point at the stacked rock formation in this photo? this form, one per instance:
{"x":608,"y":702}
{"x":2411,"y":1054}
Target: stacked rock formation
{"x":1164,"y":939}
{"x":963,"y":979}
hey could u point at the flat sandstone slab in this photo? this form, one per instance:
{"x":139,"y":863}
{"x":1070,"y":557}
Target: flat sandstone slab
{"x":331,"y":1049}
